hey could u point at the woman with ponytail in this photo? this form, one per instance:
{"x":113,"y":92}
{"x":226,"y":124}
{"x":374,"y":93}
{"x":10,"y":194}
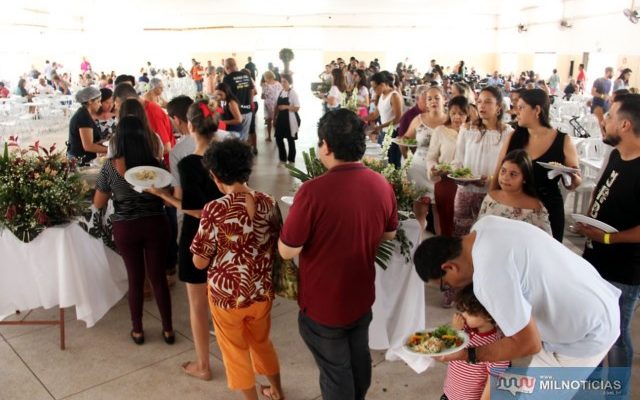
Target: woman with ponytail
{"x":196,"y":189}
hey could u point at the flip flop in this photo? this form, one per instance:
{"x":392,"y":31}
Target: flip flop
{"x":265,"y":391}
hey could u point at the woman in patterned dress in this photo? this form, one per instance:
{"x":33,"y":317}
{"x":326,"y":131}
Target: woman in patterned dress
{"x":236,"y":241}
{"x":271,"y":89}
{"x":516,"y":197}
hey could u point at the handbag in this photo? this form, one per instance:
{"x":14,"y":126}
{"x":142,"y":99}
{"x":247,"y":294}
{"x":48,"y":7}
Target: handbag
{"x":285,"y":278}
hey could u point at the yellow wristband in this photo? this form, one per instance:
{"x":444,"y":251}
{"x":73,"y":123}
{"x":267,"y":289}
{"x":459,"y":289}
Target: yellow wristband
{"x":607,"y":238}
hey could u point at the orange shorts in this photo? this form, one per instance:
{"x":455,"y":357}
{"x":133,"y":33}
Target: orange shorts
{"x":243,"y":337}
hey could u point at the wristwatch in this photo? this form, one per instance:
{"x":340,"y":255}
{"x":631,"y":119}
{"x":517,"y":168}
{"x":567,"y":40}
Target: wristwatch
{"x":471,"y":355}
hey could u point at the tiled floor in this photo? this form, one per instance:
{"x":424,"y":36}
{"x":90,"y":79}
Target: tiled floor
{"x":103,"y":363}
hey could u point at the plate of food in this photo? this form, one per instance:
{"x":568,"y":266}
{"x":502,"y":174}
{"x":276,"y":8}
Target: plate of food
{"x":463,"y":175}
{"x":445,"y":167}
{"x":406,"y":142}
{"x":146,"y":176}
{"x":436,"y":342}
{"x":557,"y":166}
{"x":583,"y":219}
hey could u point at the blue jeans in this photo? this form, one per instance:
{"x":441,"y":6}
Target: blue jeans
{"x":621,"y":353}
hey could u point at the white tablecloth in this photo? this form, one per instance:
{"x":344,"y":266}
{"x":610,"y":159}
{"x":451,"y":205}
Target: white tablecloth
{"x":63,"y":266}
{"x":399,"y":309}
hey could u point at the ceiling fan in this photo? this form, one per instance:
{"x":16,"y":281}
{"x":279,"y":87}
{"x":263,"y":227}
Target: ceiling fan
{"x":632,"y":13}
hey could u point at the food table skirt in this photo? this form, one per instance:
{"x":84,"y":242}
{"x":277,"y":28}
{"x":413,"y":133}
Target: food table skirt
{"x":399,"y":308}
{"x":62,"y":266}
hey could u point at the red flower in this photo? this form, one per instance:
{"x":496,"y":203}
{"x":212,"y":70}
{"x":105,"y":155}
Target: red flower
{"x":11,"y":213}
{"x":41,"y":217}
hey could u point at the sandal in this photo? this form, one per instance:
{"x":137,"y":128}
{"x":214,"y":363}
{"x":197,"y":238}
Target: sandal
{"x":202,"y":375}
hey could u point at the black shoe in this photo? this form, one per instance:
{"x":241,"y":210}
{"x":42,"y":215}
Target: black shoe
{"x":255,"y":151}
{"x":169,"y":337}
{"x":137,"y":339}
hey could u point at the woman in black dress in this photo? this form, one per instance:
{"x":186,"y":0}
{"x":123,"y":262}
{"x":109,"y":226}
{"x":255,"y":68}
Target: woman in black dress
{"x":196,"y":190}
{"x":543,"y":144}
{"x":287,"y":121}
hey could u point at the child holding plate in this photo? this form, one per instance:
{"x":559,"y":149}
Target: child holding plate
{"x":465,"y":380}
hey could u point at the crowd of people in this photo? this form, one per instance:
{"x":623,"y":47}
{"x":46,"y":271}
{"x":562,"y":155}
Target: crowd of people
{"x":501,"y":233}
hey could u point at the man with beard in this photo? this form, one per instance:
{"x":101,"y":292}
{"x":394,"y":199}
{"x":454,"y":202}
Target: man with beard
{"x":616,"y":256}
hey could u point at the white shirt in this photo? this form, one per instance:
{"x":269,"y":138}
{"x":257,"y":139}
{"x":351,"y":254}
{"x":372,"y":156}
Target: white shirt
{"x":519,"y":272}
{"x":385,"y":108}
{"x":336,"y":93}
{"x":479,"y":152}
{"x":442,"y":147}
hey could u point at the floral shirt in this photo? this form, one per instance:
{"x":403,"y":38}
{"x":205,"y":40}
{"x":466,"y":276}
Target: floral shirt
{"x":538,"y":217}
{"x":241,"y":249}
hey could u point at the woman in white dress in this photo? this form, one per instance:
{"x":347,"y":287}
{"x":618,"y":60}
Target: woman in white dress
{"x":477,"y":148}
{"x":335,"y":97}
{"x":421,"y":129}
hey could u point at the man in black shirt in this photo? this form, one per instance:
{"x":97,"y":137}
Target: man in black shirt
{"x":616,"y":202}
{"x":242,"y":87}
{"x":252,"y":68}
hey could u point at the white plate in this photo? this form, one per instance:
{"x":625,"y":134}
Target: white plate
{"x":467,"y":179}
{"x":399,"y":142}
{"x":163,"y":178}
{"x":583,"y":219}
{"x":288,"y":200}
{"x":462,"y":334}
{"x":562,"y":168}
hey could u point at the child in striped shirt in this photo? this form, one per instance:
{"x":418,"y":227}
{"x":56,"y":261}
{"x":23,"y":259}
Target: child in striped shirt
{"x":466,"y":381}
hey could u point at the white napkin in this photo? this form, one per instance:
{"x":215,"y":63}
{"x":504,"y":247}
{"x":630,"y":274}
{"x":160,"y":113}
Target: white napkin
{"x":138,"y":189}
{"x":566,"y":177}
{"x":416,"y":362}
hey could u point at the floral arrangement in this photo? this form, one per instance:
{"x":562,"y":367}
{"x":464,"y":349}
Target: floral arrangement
{"x":350,"y":102}
{"x":39,"y":188}
{"x":405,"y":191}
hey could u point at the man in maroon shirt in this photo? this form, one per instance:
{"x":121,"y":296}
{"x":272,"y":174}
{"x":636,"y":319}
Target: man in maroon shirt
{"x":335,"y":224}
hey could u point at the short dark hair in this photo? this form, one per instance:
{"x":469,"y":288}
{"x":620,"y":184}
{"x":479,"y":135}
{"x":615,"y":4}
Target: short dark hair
{"x":466,"y":301}
{"x":231,"y":161}
{"x":457,"y":101}
{"x":125,"y":78}
{"x":124,"y":91}
{"x":432,"y":253}
{"x":105,"y":94}
{"x":343,"y":132}
{"x":178,"y":107}
{"x":630,"y":109}
{"x":288,"y":77}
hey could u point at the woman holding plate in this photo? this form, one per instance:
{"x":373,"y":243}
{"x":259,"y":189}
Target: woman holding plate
{"x":544,"y":144}
{"x":140,"y":225}
{"x":196,"y":189}
{"x":477,"y":148}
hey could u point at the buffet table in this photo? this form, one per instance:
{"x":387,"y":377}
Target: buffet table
{"x":399,"y":308}
{"x":63,"y":266}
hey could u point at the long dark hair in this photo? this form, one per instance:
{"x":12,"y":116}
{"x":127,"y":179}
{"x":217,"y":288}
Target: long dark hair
{"x":205,"y":125}
{"x":535,"y":98}
{"x":228,"y":94}
{"x":339,"y":80}
{"x":520,"y":158}
{"x":362,"y":79}
{"x":497,"y":94}
{"x":132,"y":143}
{"x":458,"y":101}
{"x":133,"y":107}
